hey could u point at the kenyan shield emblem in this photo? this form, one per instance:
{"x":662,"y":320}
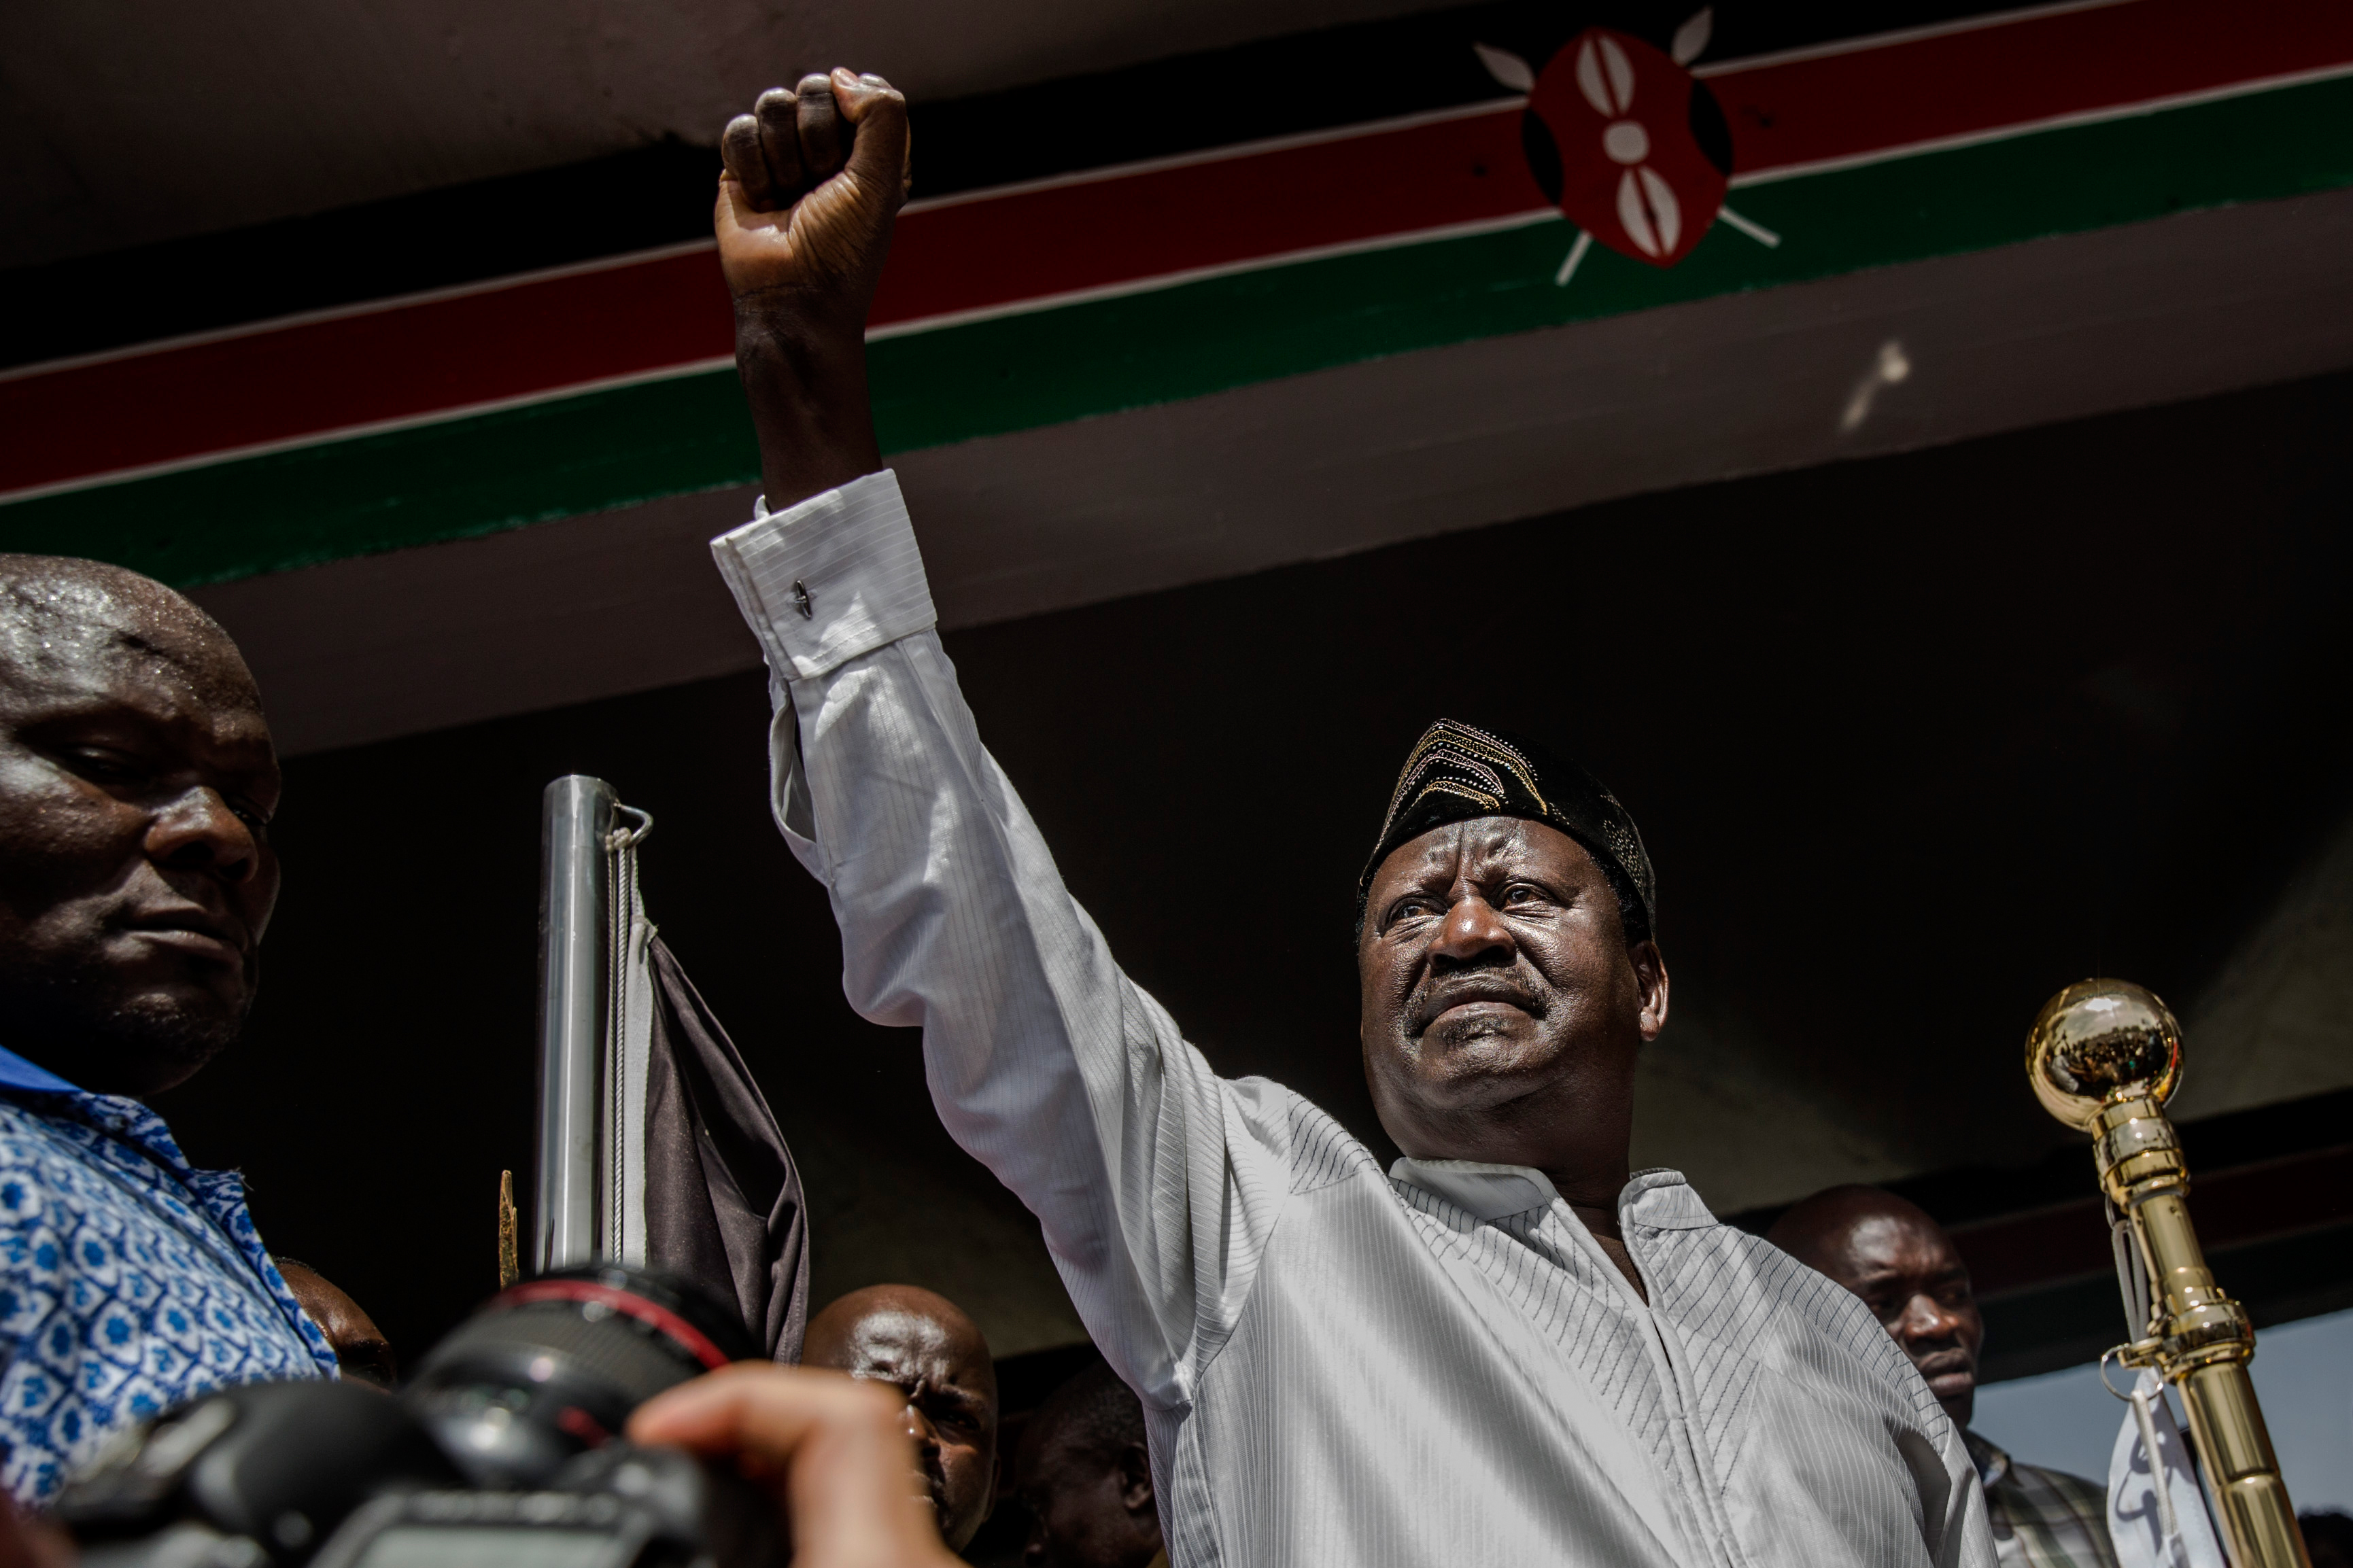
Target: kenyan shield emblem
{"x":1626,"y":141}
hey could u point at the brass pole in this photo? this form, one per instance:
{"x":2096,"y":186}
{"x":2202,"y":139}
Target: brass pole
{"x":2104,"y":1055}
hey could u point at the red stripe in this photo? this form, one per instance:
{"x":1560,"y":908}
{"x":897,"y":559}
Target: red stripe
{"x":531,"y":338}
{"x":2015,"y":73}
{"x":316,"y":377}
{"x":1020,"y":246}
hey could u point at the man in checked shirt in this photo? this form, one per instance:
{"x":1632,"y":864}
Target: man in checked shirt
{"x":1508,"y":1349}
{"x":1908,"y":1272}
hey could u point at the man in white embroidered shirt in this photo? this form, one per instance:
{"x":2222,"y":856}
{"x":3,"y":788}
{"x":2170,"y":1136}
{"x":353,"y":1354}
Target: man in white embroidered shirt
{"x":1505,"y":1351}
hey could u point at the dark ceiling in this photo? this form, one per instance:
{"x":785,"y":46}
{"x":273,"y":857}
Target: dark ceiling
{"x":1914,"y":742}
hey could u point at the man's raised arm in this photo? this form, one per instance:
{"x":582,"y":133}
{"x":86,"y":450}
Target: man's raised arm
{"x":1044,"y":1060}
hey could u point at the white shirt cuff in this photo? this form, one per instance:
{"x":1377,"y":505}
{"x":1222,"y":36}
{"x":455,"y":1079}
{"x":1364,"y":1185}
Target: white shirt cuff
{"x":836,"y":576}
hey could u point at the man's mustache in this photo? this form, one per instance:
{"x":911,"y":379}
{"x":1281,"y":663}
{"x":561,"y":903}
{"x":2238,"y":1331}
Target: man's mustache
{"x":1437,"y":993}
{"x":1942,"y":1362}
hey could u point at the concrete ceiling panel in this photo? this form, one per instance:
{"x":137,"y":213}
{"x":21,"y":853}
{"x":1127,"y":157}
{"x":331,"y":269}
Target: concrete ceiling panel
{"x":145,"y":121}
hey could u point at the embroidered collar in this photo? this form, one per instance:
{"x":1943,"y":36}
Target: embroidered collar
{"x":1487,"y":1192}
{"x":1657,"y":1197}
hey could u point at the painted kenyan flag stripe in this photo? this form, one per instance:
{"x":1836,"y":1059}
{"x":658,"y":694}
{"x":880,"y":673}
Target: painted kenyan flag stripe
{"x":1834,"y":104}
{"x":451,"y":478}
{"x":1046,"y":245}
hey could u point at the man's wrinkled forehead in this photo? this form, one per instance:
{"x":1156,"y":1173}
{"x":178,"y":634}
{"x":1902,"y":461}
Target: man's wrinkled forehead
{"x":1891,"y":1243}
{"x":895,"y":1328}
{"x":1481,"y":840}
{"x":896,"y":1339}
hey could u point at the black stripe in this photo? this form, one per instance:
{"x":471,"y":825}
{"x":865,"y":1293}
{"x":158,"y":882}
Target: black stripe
{"x":660,"y":195}
{"x":461,"y":234}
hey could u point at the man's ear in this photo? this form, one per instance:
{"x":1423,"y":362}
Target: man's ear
{"x":1650,"y":975}
{"x":1136,"y":1479}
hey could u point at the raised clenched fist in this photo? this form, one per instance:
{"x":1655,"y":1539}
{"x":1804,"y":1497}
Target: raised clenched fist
{"x":814,"y":179}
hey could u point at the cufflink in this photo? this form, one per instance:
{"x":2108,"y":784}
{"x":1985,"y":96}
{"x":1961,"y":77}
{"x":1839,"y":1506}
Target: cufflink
{"x":801,"y":600}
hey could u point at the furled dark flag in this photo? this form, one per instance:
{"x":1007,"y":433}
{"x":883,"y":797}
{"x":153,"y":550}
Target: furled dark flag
{"x":657,"y":1148}
{"x":723,"y":1199}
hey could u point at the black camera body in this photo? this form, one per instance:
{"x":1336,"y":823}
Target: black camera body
{"x":504,"y":1452}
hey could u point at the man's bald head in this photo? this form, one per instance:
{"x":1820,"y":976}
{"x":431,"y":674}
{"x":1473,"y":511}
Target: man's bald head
{"x":58,"y":612}
{"x":925,"y":1346}
{"x":362,"y":1351}
{"x":136,"y":781}
{"x":1817,"y":1225}
{"x":1889,"y":1252}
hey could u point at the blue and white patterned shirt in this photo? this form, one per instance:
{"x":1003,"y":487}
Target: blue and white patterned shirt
{"x":130,"y":1281}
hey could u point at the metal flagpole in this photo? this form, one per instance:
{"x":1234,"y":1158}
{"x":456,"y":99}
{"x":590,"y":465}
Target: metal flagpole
{"x":575,"y":990}
{"x":603,"y":985}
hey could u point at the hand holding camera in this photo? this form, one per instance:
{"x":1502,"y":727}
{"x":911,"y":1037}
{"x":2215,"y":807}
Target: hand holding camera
{"x":596,"y":1417}
{"x":833,"y":1452}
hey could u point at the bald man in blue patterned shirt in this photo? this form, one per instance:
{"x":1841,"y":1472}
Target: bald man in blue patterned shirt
{"x":137,"y":779}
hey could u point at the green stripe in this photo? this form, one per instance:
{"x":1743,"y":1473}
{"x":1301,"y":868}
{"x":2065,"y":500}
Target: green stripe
{"x":474,"y":475}
{"x":435,"y":482}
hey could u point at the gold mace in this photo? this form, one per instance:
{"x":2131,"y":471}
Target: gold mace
{"x":2104,"y":1055}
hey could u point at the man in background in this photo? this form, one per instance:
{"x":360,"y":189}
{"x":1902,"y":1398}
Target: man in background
{"x":137,"y":781}
{"x":362,"y":1351}
{"x":925,"y":1347}
{"x":1907,"y":1271}
{"x":1084,"y":1472}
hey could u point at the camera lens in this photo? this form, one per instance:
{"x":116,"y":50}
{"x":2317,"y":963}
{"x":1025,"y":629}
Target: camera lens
{"x":553,"y":1367}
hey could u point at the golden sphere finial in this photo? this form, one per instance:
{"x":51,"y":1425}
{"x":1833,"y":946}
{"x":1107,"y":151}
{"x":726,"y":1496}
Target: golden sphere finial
{"x":2099,"y":1041}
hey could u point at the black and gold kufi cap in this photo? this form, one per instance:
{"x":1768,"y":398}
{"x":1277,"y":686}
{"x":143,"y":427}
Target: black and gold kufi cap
{"x":1458,"y":771}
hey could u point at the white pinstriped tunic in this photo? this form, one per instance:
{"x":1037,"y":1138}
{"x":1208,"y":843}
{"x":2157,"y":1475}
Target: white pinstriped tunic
{"x":1339,"y":1365}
